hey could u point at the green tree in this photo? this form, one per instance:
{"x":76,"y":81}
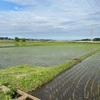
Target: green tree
{"x":96,"y":39}
{"x":23,"y":40}
{"x":17,"y":39}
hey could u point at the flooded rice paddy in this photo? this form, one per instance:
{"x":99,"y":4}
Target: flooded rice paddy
{"x":49,"y":55}
{"x":82,"y":82}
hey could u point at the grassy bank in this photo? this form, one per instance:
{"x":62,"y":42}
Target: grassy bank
{"x":28,"y":78}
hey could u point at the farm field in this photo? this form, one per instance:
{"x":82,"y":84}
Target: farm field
{"x":82,"y":82}
{"x":42,"y":54}
{"x":30,"y":67}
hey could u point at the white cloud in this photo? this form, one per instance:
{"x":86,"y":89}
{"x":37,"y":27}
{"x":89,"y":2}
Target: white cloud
{"x":46,"y":16}
{"x":28,"y":21}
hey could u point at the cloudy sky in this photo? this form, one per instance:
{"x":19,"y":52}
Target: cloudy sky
{"x":50,"y":19}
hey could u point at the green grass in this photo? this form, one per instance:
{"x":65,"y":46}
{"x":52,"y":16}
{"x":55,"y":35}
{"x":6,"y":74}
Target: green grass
{"x":4,"y":96}
{"x":28,"y":78}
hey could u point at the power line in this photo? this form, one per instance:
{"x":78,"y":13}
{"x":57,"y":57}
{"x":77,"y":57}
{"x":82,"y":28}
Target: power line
{"x":85,"y":10}
{"x":97,"y":2}
{"x":91,"y":5}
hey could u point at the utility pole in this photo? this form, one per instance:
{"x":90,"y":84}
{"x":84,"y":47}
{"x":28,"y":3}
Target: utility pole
{"x":91,"y":34}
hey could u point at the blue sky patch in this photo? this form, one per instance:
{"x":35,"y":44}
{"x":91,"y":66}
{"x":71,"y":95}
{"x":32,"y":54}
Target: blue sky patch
{"x":7,"y":6}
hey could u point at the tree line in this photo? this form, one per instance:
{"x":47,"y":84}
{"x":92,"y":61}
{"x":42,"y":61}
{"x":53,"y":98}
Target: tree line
{"x":5,"y":38}
{"x":17,"y":39}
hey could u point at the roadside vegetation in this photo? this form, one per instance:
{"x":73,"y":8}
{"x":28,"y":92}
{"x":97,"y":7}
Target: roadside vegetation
{"x":4,"y":96}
